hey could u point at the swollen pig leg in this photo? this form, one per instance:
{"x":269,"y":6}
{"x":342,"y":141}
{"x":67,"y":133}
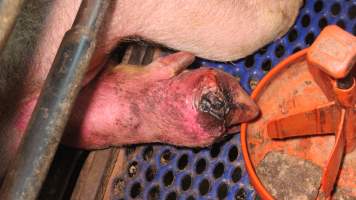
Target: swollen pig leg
{"x":158,"y":103}
{"x":109,"y":111}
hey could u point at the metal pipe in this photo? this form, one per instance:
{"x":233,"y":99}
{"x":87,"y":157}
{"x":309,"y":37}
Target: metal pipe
{"x":26,"y":175}
{"x":9,"y":10}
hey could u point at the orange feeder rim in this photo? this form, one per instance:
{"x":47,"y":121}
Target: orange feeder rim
{"x":255,"y":181}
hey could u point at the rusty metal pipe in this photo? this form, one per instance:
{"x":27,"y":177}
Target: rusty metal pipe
{"x":27,"y":173}
{"x":9,"y":10}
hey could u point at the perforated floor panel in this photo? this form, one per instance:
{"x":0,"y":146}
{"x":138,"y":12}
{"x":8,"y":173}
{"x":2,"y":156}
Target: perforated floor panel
{"x":166,"y":172}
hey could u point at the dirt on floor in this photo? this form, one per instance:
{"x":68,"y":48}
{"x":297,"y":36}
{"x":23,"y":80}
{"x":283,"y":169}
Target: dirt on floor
{"x":287,"y":177}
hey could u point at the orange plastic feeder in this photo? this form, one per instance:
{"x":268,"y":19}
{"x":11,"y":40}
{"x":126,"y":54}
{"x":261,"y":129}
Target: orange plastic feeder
{"x":303,"y":144}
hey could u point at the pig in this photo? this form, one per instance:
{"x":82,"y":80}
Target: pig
{"x":212,"y":29}
{"x":161,"y":102}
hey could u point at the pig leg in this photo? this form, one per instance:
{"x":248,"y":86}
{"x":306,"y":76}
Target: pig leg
{"x":110,"y":110}
{"x":158,"y":103}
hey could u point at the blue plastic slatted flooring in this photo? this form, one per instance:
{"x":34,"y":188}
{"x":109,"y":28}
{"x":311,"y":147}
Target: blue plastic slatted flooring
{"x":218,"y":172}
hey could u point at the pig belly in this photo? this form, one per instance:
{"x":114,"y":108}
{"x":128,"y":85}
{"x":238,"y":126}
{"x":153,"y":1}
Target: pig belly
{"x":216,"y":30}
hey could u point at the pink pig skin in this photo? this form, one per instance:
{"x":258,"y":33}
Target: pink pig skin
{"x":158,"y":103}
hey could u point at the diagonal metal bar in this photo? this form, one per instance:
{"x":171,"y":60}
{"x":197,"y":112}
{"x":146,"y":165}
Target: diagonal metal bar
{"x":9,"y":10}
{"x":27,"y":173}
